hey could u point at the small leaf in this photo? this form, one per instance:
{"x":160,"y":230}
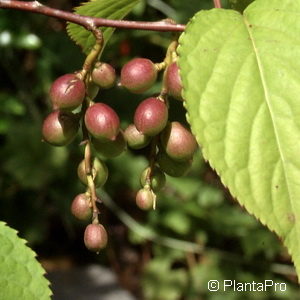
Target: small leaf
{"x":242,"y":84}
{"x":177,"y":221}
{"x":107,"y":9}
{"x":21,"y":276}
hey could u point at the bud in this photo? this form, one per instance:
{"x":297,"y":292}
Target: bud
{"x":102,"y":122}
{"x":60,"y":128}
{"x":151,"y":116}
{"x":95,"y":237}
{"x":157,"y":178}
{"x":138,"y":75}
{"x":104,"y":75}
{"x":178,"y":142}
{"x":145,"y":199}
{"x":173,"y":82}
{"x":172,"y":167}
{"x":110,"y":149}
{"x":67,"y":92}
{"x":80,"y":207}
{"x":99,"y":172}
{"x":135,"y":139}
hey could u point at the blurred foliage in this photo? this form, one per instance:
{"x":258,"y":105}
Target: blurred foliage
{"x":38,"y":182}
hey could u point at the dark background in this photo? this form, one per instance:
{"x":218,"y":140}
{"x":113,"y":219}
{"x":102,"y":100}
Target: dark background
{"x":38,"y":181}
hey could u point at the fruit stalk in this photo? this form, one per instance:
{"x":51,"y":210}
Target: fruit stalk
{"x":90,"y":180}
{"x":90,"y":60}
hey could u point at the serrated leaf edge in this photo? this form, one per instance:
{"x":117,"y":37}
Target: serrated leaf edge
{"x":32,"y":253}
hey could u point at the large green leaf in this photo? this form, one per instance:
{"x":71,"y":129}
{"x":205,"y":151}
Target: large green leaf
{"x":108,"y":9}
{"x":241,"y":84}
{"x":21,"y":276}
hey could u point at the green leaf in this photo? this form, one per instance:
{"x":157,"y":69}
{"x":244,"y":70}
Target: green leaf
{"x":21,"y":276}
{"x":242,"y":84}
{"x":107,"y":9}
{"x":177,"y":221}
{"x":162,"y":282}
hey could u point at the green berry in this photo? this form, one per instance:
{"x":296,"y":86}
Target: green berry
{"x":135,"y":139}
{"x":110,"y":149}
{"x":157,"y":178}
{"x":104,"y":75}
{"x":99,"y":172}
{"x":172,"y":167}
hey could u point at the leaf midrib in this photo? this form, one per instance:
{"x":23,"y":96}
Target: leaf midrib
{"x":267,"y":97}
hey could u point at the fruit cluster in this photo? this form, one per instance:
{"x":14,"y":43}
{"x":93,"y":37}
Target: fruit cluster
{"x":171,"y":145}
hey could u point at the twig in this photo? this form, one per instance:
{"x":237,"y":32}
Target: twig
{"x":87,"y":22}
{"x":147,"y":233}
{"x":217,"y":4}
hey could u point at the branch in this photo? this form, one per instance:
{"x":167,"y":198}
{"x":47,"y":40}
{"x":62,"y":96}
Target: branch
{"x":217,"y":3}
{"x":88,"y":22}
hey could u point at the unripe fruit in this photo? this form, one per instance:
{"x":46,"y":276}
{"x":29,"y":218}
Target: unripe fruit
{"x":95,"y":237}
{"x":151,"y":116}
{"x":60,"y":128}
{"x":104,"y":75}
{"x":135,"y":139}
{"x":138,"y":75}
{"x":178,"y":142}
{"x":80,"y":207}
{"x":173,"y":82}
{"x":172,"y":167}
{"x":92,"y":90}
{"x":99,"y":172}
{"x":157,"y":179}
{"x":102,"y":122}
{"x":67,"y":92}
{"x":145,"y":199}
{"x":110,"y":149}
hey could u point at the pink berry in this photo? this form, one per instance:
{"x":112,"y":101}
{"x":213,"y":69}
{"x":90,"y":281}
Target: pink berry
{"x":80,"y":207}
{"x":178,"y":142}
{"x":67,"y":92}
{"x":102,"y":122}
{"x":138,"y":75}
{"x":60,"y":128}
{"x":95,"y":237}
{"x":145,"y":199}
{"x":173,"y":81}
{"x":151,"y":116}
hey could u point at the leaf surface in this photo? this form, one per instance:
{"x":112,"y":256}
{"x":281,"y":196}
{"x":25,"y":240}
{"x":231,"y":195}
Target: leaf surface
{"x":21,"y":276}
{"x":107,"y":9}
{"x":241,"y":83}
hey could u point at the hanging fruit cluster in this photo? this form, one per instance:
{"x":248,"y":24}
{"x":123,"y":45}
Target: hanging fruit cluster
{"x":171,"y":144}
